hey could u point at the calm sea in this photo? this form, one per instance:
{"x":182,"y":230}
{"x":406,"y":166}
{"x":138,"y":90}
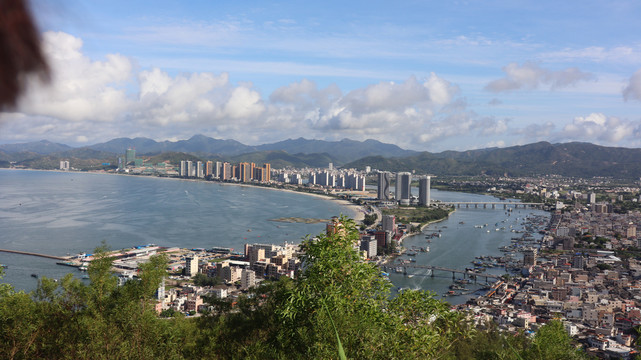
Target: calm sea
{"x":66,"y":213}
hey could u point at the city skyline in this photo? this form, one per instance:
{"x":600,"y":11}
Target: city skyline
{"x":454,"y":76}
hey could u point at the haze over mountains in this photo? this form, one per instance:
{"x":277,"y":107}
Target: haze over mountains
{"x":542,"y":158}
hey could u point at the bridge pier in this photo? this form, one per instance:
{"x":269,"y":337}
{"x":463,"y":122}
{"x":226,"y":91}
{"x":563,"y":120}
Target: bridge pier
{"x":484,"y":206}
{"x":453,"y":275}
{"x":504,"y":206}
{"x":493,"y":206}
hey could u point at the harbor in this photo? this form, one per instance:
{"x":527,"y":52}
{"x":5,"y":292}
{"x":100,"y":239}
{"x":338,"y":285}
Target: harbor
{"x":468,"y":252}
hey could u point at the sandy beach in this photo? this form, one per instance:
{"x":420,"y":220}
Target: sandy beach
{"x":357,"y":211}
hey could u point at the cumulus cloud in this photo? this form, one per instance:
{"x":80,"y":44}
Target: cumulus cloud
{"x":633,"y":90}
{"x":108,"y":95}
{"x":533,"y":132}
{"x":598,"y":127}
{"x":80,"y":89}
{"x":92,"y":100}
{"x":531,"y":76}
{"x":492,"y":126}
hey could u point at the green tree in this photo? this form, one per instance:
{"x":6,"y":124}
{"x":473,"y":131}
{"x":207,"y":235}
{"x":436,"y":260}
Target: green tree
{"x":552,"y":342}
{"x":370,"y":219}
{"x":204,"y":280}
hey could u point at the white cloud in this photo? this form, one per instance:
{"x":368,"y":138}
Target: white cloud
{"x":80,"y":89}
{"x":535,"y":132}
{"x":493,"y":144}
{"x":91,"y":101}
{"x":633,"y":90}
{"x":600,"y":128}
{"x":598,"y":54}
{"x":491,"y":126}
{"x":531,"y":76}
{"x":184,"y":98}
{"x":244,"y":103}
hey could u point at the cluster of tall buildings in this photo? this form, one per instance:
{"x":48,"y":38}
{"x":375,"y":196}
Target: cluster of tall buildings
{"x":243,"y":172}
{"x":343,"y":179}
{"x":272,"y":260}
{"x":334,"y":179}
{"x":129,"y":159}
{"x":403,"y":188}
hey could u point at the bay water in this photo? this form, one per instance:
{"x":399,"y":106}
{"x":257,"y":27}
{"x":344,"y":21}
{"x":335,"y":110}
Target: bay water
{"x":60,"y":213}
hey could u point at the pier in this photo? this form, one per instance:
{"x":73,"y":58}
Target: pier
{"x":34,"y":254}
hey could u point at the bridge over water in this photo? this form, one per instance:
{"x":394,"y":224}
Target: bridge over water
{"x":432,"y":268}
{"x":492,"y":204}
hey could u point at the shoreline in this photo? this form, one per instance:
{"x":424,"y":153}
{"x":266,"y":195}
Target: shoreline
{"x":390,"y":258}
{"x":357,"y":211}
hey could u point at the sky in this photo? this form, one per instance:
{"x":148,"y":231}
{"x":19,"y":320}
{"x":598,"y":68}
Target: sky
{"x":424,"y":75}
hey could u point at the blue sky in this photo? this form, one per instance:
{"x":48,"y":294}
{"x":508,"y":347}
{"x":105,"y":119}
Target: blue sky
{"x":425,"y":75}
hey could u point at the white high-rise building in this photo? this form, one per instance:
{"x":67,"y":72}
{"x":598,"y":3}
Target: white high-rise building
{"x":217,"y":169}
{"x":199,"y":169}
{"x":247,"y":279}
{"x":64,"y":165}
{"x":424,"y":191}
{"x":183,"y":168}
{"x":191,"y":171}
{"x":383,"y":185}
{"x":191,"y":265}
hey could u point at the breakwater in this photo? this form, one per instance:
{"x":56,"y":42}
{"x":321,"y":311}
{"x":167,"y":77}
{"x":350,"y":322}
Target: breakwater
{"x":34,"y":254}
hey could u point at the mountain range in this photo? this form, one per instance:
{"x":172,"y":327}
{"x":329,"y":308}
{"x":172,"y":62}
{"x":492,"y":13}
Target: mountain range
{"x":575,"y":159}
{"x":542,"y":158}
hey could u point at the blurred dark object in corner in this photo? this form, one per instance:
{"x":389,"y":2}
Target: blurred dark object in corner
{"x":20,"y":51}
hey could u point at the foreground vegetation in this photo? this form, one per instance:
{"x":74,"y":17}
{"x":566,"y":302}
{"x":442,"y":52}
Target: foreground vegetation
{"x":338,"y":304}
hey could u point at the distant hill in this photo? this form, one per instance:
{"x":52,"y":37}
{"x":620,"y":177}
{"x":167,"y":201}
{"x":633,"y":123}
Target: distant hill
{"x":42,"y":147}
{"x":173,"y":158}
{"x":338,"y":152}
{"x":196,"y":144}
{"x":281,"y":159}
{"x":567,"y":159}
{"x":342,"y":151}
